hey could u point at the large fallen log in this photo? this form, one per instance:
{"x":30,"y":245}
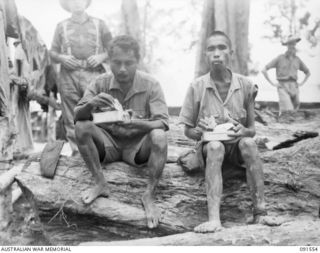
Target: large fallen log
{"x":292,"y":189}
{"x":291,"y":233}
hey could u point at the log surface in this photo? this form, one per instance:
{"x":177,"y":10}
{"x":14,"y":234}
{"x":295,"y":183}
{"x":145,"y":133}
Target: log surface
{"x":292,"y":233}
{"x":292,"y":189}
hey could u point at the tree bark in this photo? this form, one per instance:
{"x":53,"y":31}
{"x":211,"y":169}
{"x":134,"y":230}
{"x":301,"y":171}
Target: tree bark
{"x":292,"y":180}
{"x":131,"y":25}
{"x":292,"y":233}
{"x":207,"y":27}
{"x":231,"y":17}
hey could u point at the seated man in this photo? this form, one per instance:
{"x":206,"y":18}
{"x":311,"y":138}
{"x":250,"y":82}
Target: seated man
{"x":137,"y":142}
{"x":228,"y":97}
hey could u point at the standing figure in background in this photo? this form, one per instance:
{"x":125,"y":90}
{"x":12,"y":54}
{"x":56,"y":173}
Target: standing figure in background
{"x":80,"y":44}
{"x":287,"y":66}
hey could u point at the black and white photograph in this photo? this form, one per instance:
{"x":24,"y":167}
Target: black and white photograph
{"x":159,"y":123}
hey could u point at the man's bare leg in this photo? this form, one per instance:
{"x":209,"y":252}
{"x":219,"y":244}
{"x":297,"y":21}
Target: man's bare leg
{"x":154,"y":150}
{"x":255,"y":179}
{"x":92,"y":149}
{"x":214,"y":152}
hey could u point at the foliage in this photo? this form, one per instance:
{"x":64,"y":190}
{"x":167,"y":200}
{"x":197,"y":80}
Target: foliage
{"x":292,"y":17}
{"x":169,"y":29}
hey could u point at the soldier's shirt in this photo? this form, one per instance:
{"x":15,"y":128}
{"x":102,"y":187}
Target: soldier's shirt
{"x":82,"y":37}
{"x":145,"y":97}
{"x":287,"y":68}
{"x":203,"y":100}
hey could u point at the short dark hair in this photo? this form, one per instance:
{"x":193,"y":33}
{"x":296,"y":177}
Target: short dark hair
{"x":126,"y":43}
{"x":220,"y":33}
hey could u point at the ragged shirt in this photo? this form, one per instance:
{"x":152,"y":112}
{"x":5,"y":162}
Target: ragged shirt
{"x":82,"y":37}
{"x":203,"y":100}
{"x":145,"y":97}
{"x":287,"y":68}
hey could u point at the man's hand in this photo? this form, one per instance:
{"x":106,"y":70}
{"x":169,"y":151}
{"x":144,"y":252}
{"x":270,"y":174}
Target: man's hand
{"x":95,"y":60}
{"x":240,"y":131}
{"x":135,"y":123}
{"x":69,"y":61}
{"x":194,"y":133}
{"x":207,"y":124}
{"x":53,"y":103}
{"x":102,"y":100}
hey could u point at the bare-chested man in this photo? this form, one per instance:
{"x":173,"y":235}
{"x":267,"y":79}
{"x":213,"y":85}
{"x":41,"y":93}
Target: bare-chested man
{"x":228,"y":97}
{"x":137,"y":142}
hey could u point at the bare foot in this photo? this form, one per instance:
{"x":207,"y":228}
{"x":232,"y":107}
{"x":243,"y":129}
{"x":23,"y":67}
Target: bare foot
{"x":152,"y":212}
{"x":268,"y":220}
{"x":98,"y":191}
{"x":208,"y":227}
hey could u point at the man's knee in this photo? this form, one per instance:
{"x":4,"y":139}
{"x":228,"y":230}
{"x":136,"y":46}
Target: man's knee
{"x":83,"y":129}
{"x":248,"y":148}
{"x":158,"y":139}
{"x":215,"y":149}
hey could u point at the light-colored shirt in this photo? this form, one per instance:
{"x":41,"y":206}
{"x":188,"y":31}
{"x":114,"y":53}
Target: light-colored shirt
{"x":145,"y":97}
{"x":203,"y":100}
{"x":287,"y":68}
{"x":82,"y":37}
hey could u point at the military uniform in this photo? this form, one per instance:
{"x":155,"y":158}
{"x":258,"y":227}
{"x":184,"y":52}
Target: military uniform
{"x":287,"y":74}
{"x":82,"y":40}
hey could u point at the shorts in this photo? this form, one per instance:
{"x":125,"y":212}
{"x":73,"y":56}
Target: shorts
{"x":233,"y":165}
{"x":122,"y":150}
{"x":288,"y":96}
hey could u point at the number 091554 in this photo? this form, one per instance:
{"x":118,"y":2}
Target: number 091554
{"x":308,"y":249}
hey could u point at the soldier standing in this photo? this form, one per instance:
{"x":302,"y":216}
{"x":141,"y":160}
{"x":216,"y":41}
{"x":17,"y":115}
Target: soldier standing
{"x":287,"y":66}
{"x":80,"y":45}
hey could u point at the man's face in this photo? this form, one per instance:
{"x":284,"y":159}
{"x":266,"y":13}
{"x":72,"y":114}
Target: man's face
{"x":123,"y":65}
{"x":292,"y":47}
{"x":77,"y":6}
{"x":218,"y":52}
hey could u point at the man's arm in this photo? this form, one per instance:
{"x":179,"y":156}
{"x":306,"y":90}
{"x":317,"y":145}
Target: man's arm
{"x":68,"y":61}
{"x":105,"y":34}
{"x":158,"y":118}
{"x":95,"y":60}
{"x":90,"y":101}
{"x":189,"y":114}
{"x":83,"y":112}
{"x":248,"y":130}
{"x":270,"y":65}
{"x":307,"y":75}
{"x":135,"y":127}
{"x":194,"y":133}
{"x":266,"y":75}
{"x":306,"y":71}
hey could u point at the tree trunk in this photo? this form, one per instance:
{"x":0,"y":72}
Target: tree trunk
{"x":231,"y":17}
{"x":292,"y":233}
{"x":4,"y":70}
{"x":207,"y":27}
{"x":292,"y":190}
{"x":7,"y":28}
{"x":130,"y":21}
